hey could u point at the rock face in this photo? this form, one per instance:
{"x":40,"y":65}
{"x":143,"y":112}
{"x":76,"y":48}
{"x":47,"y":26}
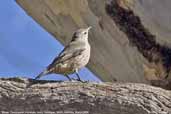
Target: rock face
{"x":130,"y":38}
{"x":92,"y":98}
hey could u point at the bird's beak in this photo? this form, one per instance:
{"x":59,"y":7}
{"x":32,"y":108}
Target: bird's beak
{"x":89,"y":28}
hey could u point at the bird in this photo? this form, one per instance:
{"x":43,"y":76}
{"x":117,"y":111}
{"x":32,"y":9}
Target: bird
{"x":72,"y":58}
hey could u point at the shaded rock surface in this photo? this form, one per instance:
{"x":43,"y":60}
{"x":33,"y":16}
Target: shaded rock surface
{"x":138,"y":53}
{"x":93,"y":98}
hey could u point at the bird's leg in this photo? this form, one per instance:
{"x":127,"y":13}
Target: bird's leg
{"x":68,"y":78}
{"x":79,"y":79}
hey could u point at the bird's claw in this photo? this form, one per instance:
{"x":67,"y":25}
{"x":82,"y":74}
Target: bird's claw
{"x":73,"y":79}
{"x":82,"y":81}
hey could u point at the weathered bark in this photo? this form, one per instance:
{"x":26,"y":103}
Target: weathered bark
{"x":129,"y":38}
{"x":96,"y":98}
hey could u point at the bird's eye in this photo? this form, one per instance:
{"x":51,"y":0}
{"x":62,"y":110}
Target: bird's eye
{"x":85,"y":32}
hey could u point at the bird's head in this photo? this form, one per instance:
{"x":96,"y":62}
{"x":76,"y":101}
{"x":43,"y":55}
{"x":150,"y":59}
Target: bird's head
{"x":81,"y":34}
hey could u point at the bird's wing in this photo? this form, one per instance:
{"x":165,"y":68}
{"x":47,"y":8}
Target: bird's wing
{"x":70,"y":51}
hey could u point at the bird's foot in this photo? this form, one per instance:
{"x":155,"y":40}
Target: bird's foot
{"x":75,"y":80}
{"x":82,"y":81}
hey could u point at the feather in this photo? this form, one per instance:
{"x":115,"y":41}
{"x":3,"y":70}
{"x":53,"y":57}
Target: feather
{"x":42,"y":74}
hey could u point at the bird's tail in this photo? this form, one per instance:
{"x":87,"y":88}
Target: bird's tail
{"x":37,"y":77}
{"x":42,"y":74}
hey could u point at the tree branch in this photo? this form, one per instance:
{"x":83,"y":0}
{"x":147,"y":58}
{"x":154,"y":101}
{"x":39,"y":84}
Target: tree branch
{"x":95,"y":98}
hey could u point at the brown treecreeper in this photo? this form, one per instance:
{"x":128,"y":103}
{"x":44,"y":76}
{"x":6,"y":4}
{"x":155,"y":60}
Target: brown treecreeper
{"x":73,"y":57}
